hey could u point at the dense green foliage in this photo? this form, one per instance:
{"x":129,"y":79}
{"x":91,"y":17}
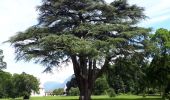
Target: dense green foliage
{"x":135,"y":75}
{"x":74,"y":92}
{"x":128,"y":75}
{"x":111,"y":92}
{"x":160,"y":66}
{"x":59,"y":91}
{"x":90,"y":33}
{"x":17,"y":85}
{"x":5,"y":84}
{"x":101,"y":86}
{"x":25,"y":84}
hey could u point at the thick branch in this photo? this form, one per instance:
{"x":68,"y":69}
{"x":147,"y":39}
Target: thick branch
{"x":83,"y":65}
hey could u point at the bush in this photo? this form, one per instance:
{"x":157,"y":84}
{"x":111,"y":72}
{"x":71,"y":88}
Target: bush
{"x":100,"y":86}
{"x":74,"y":92}
{"x":111,"y":92}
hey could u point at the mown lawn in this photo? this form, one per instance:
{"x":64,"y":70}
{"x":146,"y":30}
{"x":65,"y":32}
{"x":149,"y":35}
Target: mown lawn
{"x":121,"y":97}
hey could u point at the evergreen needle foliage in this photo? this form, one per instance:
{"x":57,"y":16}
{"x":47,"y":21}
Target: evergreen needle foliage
{"x":90,"y":33}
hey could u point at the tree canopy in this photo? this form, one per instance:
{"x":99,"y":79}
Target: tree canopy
{"x":91,"y":34}
{"x":160,"y":65}
{"x":25,"y":84}
{"x":5,"y":81}
{"x":17,"y":85}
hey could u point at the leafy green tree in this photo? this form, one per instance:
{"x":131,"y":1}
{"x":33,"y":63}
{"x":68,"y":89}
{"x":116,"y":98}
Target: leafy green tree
{"x":89,"y":33}
{"x":59,"y":91}
{"x":160,"y":65}
{"x":101,"y":86}
{"x":5,"y":80}
{"x":2,"y":63}
{"x":128,"y":73}
{"x":74,"y":92}
{"x":25,"y":84}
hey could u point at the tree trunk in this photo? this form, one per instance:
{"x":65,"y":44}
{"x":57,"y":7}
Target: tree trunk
{"x":84,"y":77}
{"x":85,"y":96}
{"x":85,"y":91}
{"x":86,"y":74}
{"x":26,"y":97}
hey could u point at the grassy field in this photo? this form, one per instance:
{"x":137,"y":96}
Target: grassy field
{"x":122,"y":97}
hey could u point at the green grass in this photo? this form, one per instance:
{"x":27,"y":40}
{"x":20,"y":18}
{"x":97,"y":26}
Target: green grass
{"x":121,"y":97}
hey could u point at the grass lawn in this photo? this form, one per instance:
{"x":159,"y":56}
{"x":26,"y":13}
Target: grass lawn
{"x":121,"y":97}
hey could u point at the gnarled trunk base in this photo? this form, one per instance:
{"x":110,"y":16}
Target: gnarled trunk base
{"x":85,"y":96}
{"x":26,"y":97}
{"x":85,"y":88}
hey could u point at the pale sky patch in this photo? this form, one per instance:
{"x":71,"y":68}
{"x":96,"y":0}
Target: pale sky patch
{"x":15,"y":16}
{"x":157,"y":11}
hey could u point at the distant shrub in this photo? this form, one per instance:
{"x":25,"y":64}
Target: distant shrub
{"x":111,"y":92}
{"x":74,"y":92}
{"x":101,"y":86}
{"x":59,"y":91}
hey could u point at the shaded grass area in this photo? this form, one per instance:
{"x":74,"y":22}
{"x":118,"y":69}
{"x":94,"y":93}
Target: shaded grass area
{"x":121,"y":97}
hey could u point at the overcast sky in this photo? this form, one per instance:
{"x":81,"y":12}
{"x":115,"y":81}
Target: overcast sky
{"x":18,"y":15}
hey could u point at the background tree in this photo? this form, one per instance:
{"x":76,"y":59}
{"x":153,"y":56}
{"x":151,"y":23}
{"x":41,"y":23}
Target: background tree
{"x":2,"y":63}
{"x":59,"y":91}
{"x":25,"y":84}
{"x":5,"y":84}
{"x":160,"y":65}
{"x":74,"y":92}
{"x":90,"y":33}
{"x":127,"y":73}
{"x":4,"y":77}
{"x":101,"y":86}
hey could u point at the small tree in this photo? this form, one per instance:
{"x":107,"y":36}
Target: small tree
{"x":25,"y":84}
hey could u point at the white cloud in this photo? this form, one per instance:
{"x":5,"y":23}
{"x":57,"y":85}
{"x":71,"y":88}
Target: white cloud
{"x":156,"y":20}
{"x":157,"y":11}
{"x":16,"y":15}
{"x":159,"y":8}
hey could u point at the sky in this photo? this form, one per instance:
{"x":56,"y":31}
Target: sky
{"x":18,"y":15}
